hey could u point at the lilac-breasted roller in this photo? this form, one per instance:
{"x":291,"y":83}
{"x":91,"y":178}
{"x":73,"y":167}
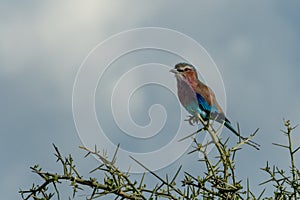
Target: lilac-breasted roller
{"x":197,"y":98}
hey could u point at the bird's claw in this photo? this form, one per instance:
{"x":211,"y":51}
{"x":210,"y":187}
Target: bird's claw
{"x":192,"y":120}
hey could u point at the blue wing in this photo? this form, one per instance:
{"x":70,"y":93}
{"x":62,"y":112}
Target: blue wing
{"x":204,"y":106}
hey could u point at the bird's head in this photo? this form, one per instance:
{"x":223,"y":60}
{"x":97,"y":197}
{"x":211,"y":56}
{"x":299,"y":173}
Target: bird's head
{"x":185,"y":71}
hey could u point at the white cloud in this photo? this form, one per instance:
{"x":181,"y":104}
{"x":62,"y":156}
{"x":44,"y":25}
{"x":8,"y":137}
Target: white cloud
{"x":60,"y":33}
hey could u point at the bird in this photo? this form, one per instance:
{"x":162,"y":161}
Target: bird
{"x":199,"y":99}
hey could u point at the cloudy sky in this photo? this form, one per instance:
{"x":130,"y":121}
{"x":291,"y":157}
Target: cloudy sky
{"x":255,"y":46}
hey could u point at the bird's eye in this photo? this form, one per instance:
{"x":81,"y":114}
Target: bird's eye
{"x":187,"y":69}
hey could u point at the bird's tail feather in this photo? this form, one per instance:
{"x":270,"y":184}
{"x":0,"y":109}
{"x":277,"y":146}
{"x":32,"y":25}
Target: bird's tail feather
{"x":229,"y":126}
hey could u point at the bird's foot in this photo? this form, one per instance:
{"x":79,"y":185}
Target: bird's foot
{"x":192,"y":120}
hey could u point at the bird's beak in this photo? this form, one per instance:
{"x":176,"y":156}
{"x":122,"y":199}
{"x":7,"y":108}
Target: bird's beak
{"x":174,"y":71}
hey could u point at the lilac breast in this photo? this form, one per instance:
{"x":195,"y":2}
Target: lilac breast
{"x":187,"y":96}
